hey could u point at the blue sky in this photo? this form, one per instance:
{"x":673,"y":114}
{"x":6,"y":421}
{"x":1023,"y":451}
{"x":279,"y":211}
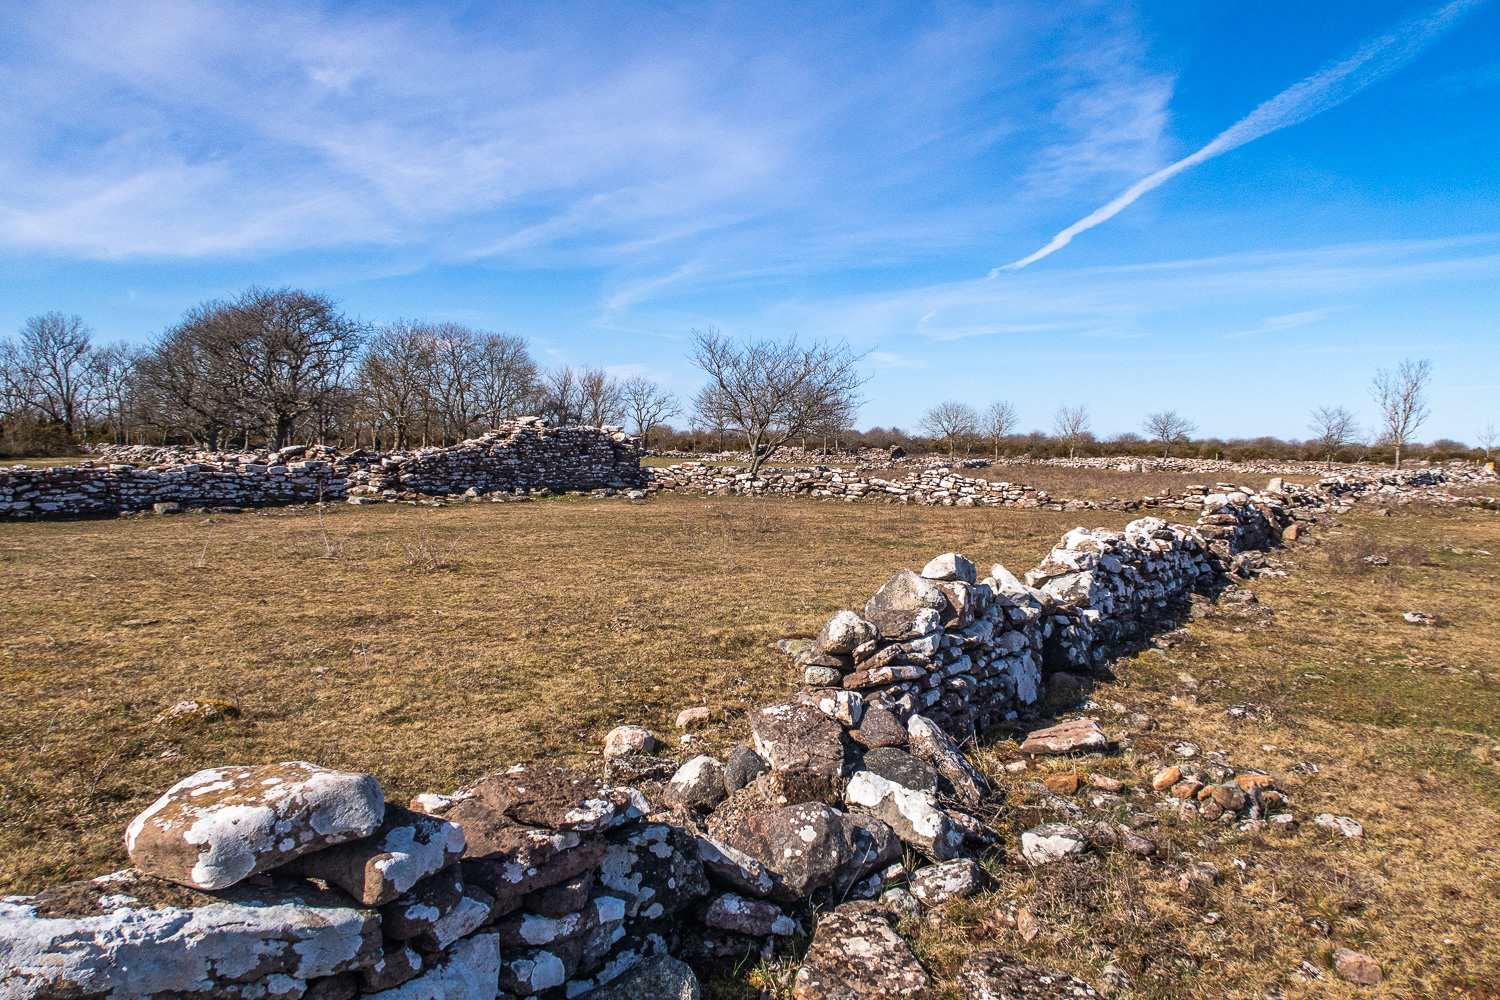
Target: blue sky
{"x":604,"y":178}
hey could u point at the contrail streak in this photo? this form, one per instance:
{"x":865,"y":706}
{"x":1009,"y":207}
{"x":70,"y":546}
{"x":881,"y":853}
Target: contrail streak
{"x":1326,"y":88}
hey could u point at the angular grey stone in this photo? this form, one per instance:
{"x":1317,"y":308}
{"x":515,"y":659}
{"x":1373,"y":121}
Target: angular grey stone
{"x":930,"y":743}
{"x":879,"y":728}
{"x":430,"y":900}
{"x":131,"y":935}
{"x":743,"y":766}
{"x":405,"y":848}
{"x":659,"y":978}
{"x":733,"y":867}
{"x":843,"y":633}
{"x":399,"y":964}
{"x":951,"y":566}
{"x":469,"y":970}
{"x":805,"y":750}
{"x":913,"y":815}
{"x":655,"y":869}
{"x":937,"y":884}
{"x":224,"y":824}
{"x":806,"y":844}
{"x":858,"y":954}
{"x":752,"y":917}
{"x":902,"y":768}
{"x":699,"y":783}
{"x":905,"y":607}
{"x":471,"y":913}
{"x":561,"y":899}
{"x":1052,"y":841}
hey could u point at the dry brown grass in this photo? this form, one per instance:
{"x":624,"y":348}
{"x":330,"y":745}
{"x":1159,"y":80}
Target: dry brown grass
{"x":426,"y":646}
{"x":432,"y":645}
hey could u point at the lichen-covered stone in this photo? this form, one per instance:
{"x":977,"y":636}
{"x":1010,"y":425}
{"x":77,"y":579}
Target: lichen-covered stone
{"x":224,"y":824}
{"x":130,"y":935}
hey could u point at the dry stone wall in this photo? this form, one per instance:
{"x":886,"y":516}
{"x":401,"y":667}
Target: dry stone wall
{"x":521,"y":455}
{"x":948,"y":487}
{"x":291,"y":880}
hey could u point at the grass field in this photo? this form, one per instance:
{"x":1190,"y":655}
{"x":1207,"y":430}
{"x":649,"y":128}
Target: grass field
{"x":429,"y":646}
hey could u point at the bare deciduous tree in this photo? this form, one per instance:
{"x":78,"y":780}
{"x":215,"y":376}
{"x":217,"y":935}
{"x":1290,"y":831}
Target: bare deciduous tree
{"x":602,"y":402}
{"x":456,"y":371}
{"x":1168,"y":428}
{"x":395,"y":376}
{"x":53,"y":368}
{"x":1332,"y":427}
{"x":192,"y":378}
{"x":999,"y":420}
{"x":293,"y":349}
{"x":561,"y":398}
{"x":771,"y":390}
{"x":1486,"y":436}
{"x":952,"y":421}
{"x":508,"y":377}
{"x":1401,"y":397}
{"x":647,"y":404}
{"x":1071,"y":425}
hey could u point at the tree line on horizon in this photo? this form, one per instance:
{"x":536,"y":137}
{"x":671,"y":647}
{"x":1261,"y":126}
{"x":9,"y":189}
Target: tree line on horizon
{"x":276,"y":366}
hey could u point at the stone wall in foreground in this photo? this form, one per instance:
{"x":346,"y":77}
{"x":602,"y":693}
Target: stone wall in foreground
{"x":290,"y":880}
{"x":525,"y":454}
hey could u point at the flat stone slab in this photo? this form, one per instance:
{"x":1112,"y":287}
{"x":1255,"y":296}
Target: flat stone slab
{"x":1080,"y":735}
{"x":857,"y":954}
{"x":224,"y":824}
{"x":998,"y":975}
{"x":130,"y":935}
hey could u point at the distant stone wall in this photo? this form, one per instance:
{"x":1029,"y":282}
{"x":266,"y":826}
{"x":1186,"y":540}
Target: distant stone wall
{"x":520,"y":455}
{"x":949,"y":487}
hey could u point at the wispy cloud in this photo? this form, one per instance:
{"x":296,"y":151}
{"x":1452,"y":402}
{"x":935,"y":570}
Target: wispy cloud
{"x":1325,"y":89}
{"x":1288,"y":321}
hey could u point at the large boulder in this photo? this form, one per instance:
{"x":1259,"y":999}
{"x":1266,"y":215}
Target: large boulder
{"x":406,"y":848}
{"x":998,"y":975}
{"x":806,"y":844}
{"x":857,"y":954}
{"x":805,"y":750}
{"x":905,"y":607}
{"x":222,"y":825}
{"x":928,"y":742}
{"x":879,"y":727}
{"x":844,"y":633}
{"x":130,"y":935}
{"x":913,"y":815}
